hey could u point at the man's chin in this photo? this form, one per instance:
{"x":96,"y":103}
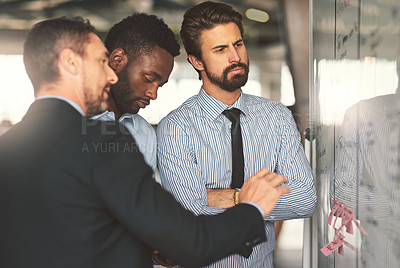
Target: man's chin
{"x":234,"y":86}
{"x":98,"y":109}
{"x":103,"y":106}
{"x":134,"y":108}
{"x":134,"y":111}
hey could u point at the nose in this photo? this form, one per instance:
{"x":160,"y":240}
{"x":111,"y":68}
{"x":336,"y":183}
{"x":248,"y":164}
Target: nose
{"x":234,"y":55}
{"x":112,"y":78}
{"x":152,"y":92}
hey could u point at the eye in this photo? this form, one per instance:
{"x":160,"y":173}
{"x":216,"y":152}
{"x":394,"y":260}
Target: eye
{"x":239,"y":44}
{"x":220,"y":49}
{"x":148,"y":79}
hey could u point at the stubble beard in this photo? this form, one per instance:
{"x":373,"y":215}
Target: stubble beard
{"x":119,"y":93}
{"x":95,"y":105}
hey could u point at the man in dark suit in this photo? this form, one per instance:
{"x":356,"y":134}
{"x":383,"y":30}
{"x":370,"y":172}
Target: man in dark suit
{"x":76,"y":193}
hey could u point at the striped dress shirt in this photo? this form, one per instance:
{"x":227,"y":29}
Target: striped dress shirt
{"x":367,"y":176}
{"x":194,"y":153}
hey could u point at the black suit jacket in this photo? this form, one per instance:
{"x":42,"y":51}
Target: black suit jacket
{"x":77,"y":193}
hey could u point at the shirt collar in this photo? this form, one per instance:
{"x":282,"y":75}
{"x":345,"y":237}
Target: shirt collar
{"x":212,"y":107}
{"x":70,"y":102}
{"x":106,"y":115}
{"x":110,"y":115}
{"x":127,"y":116}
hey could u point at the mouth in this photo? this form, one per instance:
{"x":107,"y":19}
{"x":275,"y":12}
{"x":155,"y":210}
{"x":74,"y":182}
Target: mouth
{"x":236,"y":70}
{"x":143,"y":103}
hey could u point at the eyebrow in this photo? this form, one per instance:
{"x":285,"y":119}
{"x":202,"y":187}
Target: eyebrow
{"x":238,"y":41}
{"x":158,"y":76}
{"x":223,"y":46}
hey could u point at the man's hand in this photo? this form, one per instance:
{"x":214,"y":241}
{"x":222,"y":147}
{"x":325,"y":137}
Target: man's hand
{"x":161,"y":260}
{"x":264,"y":189}
{"x":222,"y":198}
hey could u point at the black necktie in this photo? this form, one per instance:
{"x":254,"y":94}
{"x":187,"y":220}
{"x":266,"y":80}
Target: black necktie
{"x":237,"y":148}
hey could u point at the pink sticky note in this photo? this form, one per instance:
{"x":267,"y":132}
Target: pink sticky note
{"x":340,"y":210}
{"x":331,"y":246}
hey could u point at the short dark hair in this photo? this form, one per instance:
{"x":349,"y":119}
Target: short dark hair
{"x":46,"y":40}
{"x":139,"y":33}
{"x":202,"y":17}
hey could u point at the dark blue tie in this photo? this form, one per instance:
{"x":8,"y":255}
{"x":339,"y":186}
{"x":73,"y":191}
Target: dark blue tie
{"x":237,"y":148}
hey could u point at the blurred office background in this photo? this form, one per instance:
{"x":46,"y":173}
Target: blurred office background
{"x":317,"y":57}
{"x":266,"y":40}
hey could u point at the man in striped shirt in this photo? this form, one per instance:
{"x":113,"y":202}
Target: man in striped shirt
{"x":194,"y":141}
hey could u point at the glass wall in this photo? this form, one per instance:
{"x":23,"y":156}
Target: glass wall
{"x":355,"y":138}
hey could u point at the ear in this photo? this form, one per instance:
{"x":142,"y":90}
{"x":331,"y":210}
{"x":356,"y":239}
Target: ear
{"x":118,"y":60}
{"x":69,"y":61}
{"x":196,"y":63}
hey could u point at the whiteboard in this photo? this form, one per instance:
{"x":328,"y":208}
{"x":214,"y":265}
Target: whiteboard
{"x":355,"y":118}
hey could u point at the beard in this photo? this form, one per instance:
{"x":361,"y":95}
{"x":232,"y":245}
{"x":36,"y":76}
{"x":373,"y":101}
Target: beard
{"x":95,"y":105}
{"x":230,"y":85}
{"x":121,"y":94}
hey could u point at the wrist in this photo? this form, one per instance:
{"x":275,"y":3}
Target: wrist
{"x":236,"y":197}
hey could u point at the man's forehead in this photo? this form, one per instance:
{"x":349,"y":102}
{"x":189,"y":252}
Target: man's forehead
{"x":157,"y":56}
{"x":221,"y":34}
{"x":96,"y":43}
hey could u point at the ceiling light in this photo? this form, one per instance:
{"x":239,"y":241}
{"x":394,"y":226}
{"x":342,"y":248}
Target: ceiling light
{"x":257,"y":15}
